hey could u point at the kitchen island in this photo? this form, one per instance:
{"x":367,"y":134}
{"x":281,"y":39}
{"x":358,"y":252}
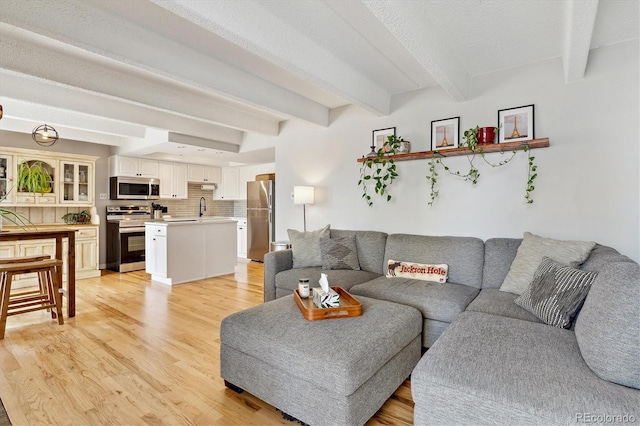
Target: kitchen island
{"x":188,"y":249}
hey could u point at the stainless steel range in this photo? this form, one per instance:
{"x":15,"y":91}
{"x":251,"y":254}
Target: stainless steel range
{"x":125,"y":237}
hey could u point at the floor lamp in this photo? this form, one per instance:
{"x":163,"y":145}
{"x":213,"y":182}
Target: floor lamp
{"x":303,"y":195}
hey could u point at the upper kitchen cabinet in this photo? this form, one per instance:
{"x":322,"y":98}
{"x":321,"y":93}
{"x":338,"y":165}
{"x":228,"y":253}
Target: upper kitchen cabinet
{"x":228,"y":189}
{"x":134,"y":167}
{"x":204,"y":174}
{"x":61,"y":179}
{"x":249,"y":173}
{"x":76,"y":183}
{"x":173,"y":180}
{"x":41,"y":170}
{"x":6,"y":178}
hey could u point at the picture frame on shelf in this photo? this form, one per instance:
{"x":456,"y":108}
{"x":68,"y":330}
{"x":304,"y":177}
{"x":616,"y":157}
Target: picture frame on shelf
{"x":445,"y":134}
{"x":380,"y":137}
{"x":516,"y":124}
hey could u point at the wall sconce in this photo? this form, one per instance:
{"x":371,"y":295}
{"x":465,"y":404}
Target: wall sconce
{"x":303,"y":195}
{"x":45,"y":135}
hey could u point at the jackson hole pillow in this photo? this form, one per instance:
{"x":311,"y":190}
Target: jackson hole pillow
{"x":418,"y":271}
{"x":339,"y":253}
{"x":306,"y":246}
{"x":556,"y":293}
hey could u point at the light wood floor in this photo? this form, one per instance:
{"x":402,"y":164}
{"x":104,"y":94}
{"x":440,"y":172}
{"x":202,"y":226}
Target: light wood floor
{"x":140,"y":353}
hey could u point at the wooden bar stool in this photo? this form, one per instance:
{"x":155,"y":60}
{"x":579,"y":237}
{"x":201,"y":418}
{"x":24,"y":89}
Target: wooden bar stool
{"x":46,"y":297}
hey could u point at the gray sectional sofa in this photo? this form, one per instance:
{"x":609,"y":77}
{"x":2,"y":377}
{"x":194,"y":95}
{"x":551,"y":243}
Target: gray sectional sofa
{"x":489,"y":360}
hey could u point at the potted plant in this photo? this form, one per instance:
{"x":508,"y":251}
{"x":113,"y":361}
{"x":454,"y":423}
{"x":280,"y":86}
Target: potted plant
{"x":33,"y":177}
{"x":77,"y":218}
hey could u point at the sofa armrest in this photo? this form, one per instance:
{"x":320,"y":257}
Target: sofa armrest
{"x":274,"y":262}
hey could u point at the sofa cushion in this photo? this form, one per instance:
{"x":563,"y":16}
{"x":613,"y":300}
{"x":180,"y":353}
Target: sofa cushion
{"x":487,"y":369}
{"x":498,"y":256}
{"x":601,"y":256}
{"x":370,"y":246}
{"x":441,"y":302}
{"x":530,"y":254}
{"x":464,"y":255}
{"x":608,"y":327}
{"x":306,"y":246}
{"x":496,"y":302}
{"x":556,"y":292}
{"x":345,"y":278}
{"x":339,"y":253}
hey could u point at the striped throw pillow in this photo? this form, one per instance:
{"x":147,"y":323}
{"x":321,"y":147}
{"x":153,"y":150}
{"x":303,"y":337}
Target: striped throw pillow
{"x":556,"y":293}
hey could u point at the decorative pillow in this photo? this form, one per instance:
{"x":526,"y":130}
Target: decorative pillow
{"x":418,"y":271}
{"x":530,"y":254}
{"x":556,"y":293}
{"x":306,"y":246}
{"x":608,"y":327}
{"x":339,"y":253}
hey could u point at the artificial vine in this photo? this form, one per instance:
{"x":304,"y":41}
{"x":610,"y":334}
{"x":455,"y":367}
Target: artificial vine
{"x":532,"y":175}
{"x":471,"y":138}
{"x":381,"y":169}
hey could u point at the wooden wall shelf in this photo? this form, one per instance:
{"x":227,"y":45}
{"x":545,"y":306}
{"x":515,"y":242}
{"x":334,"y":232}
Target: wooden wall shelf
{"x":454,"y":152}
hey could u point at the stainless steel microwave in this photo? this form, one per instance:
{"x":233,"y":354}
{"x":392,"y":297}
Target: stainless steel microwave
{"x":133,"y":188}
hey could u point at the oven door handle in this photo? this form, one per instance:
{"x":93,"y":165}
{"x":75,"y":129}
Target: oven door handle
{"x":131,"y":230}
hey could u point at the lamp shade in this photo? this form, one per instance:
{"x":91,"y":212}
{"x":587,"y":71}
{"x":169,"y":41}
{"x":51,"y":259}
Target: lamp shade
{"x":303,"y":195}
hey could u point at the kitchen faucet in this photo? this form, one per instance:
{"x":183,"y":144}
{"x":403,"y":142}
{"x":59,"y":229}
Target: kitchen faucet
{"x":202,"y":210}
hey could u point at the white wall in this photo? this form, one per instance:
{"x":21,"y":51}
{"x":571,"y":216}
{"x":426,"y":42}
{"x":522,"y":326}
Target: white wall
{"x":588,"y":186}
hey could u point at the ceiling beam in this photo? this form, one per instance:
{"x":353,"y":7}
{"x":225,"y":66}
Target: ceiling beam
{"x":84,"y":25}
{"x":28,"y":53}
{"x":408,"y":22}
{"x":38,"y":91}
{"x":251,"y":25}
{"x":581,"y":17}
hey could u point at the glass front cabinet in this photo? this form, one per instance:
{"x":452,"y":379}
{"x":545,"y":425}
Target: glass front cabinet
{"x":76,"y":181}
{"x":6,"y":179}
{"x":44,"y":170}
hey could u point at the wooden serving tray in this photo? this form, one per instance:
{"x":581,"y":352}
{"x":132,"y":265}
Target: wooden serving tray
{"x":349,"y":306}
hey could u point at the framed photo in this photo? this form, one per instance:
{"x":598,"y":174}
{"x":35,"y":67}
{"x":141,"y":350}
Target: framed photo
{"x":445,"y":134}
{"x":380,"y":136}
{"x":516,"y":124}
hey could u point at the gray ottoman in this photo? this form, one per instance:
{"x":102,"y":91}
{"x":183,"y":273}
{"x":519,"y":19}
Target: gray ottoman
{"x":328,"y":372}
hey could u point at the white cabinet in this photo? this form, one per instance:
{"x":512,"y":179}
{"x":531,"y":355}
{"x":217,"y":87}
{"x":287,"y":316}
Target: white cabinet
{"x":242,"y":238}
{"x":178,"y":252}
{"x":228,"y":189}
{"x":71,"y":178}
{"x":131,"y":166}
{"x":156,"y":250}
{"x":249,"y":173}
{"x":173,"y":180}
{"x":6,"y":178}
{"x":76,"y":183}
{"x":87,"y":254}
{"x":49,"y":195}
{"x":203,"y":174}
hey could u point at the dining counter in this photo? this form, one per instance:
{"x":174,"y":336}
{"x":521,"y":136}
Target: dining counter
{"x":59,"y":234}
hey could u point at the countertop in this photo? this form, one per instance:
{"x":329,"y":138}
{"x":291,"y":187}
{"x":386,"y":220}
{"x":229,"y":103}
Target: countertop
{"x":205,"y":220}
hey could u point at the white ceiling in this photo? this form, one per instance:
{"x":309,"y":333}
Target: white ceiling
{"x":190,"y":78}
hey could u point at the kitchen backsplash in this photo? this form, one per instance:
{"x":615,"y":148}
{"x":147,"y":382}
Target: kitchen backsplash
{"x":191,"y":206}
{"x":188,"y":207}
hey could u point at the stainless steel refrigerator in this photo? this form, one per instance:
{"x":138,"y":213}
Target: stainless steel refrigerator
{"x":260,"y":218}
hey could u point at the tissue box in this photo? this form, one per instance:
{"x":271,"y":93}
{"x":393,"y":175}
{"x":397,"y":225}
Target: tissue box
{"x":325,"y":300}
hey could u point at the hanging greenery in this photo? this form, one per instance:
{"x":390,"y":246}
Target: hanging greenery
{"x":379,"y":170}
{"x":471,"y":142}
